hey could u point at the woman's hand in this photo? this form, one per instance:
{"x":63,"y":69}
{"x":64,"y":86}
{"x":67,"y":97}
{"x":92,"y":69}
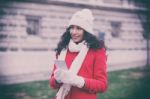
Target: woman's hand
{"x":65,"y":76}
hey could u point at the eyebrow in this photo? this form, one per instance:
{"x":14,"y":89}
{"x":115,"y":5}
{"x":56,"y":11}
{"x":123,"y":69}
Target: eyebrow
{"x":76,"y":26}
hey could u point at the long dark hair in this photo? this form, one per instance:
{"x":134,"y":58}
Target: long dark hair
{"x":91,"y":40}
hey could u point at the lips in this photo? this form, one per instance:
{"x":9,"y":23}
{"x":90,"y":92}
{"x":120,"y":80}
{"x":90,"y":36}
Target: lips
{"x":75,"y":37}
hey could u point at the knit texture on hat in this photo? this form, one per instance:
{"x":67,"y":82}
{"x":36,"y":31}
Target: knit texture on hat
{"x":84,"y":19}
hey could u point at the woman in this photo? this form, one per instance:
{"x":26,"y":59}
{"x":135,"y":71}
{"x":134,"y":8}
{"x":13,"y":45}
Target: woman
{"x":85,"y":58}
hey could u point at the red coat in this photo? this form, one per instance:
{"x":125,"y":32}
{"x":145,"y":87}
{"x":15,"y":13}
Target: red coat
{"x":93,"y":70}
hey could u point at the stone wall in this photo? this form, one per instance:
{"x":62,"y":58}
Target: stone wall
{"x":26,"y":56}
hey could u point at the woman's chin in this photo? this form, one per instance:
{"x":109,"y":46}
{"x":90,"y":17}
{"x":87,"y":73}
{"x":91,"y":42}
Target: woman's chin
{"x":76,"y":41}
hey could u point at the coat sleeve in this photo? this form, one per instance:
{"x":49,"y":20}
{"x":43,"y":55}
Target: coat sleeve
{"x":52,"y":82}
{"x":99,"y":81}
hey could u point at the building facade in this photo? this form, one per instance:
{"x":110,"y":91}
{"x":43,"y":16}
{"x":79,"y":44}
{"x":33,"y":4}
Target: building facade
{"x":30,"y":30}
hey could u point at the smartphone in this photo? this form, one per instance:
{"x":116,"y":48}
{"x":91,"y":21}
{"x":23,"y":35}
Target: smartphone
{"x":61,"y":64}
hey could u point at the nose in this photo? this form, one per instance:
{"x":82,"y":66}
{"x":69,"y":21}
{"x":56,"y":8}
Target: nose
{"x":73,"y":30}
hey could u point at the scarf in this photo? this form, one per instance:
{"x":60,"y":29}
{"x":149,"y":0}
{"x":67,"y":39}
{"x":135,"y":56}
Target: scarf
{"x":75,"y":66}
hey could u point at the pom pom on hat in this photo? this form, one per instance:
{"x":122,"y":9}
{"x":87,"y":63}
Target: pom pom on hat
{"x":84,"y":19}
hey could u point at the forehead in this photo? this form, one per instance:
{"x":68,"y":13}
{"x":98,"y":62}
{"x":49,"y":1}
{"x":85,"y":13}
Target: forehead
{"x":75,"y":26}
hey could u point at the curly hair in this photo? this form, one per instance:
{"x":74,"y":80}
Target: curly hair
{"x":91,"y":40}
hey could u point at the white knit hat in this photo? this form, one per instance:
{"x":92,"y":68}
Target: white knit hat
{"x":84,"y":19}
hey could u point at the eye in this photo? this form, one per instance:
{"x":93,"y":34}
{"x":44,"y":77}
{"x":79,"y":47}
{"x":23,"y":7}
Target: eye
{"x":79,"y":28}
{"x":71,"y":27}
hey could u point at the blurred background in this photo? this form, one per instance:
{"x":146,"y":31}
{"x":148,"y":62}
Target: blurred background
{"x":30,"y":31}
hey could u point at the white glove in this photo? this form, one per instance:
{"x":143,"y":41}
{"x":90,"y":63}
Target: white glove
{"x":67,"y":77}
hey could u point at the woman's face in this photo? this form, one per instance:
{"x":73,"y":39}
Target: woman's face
{"x":77,"y":33}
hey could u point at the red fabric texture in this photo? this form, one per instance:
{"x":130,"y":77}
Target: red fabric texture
{"x":93,"y":70}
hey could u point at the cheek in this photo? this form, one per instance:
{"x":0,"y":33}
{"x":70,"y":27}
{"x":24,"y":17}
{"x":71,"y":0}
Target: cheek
{"x":81,"y":36}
